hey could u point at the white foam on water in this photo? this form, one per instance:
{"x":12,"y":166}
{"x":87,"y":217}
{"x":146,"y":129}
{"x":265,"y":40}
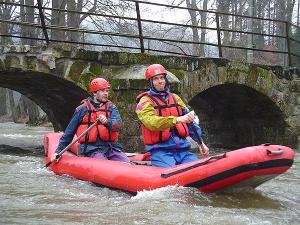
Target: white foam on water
{"x":16,"y":136}
{"x":159,"y":193}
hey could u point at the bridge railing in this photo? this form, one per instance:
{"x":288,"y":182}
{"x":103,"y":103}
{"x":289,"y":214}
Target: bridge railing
{"x":252,"y":45}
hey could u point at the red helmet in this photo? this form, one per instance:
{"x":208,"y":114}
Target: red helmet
{"x":98,"y":84}
{"x":154,"y":70}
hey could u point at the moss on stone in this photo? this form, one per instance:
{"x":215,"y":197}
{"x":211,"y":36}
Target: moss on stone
{"x":240,"y":66}
{"x":123,"y":58}
{"x":295,"y":86}
{"x":95,"y":68}
{"x":85,"y":80}
{"x":116,"y":70}
{"x":232,"y":74}
{"x":179,"y":73}
{"x":222,"y":75}
{"x":263,"y":73}
{"x":110,"y":58}
{"x":251,"y":79}
{"x":236,"y":72}
{"x":138,"y":84}
{"x":76,"y":70}
{"x":30,"y":62}
{"x":87,"y":55}
{"x":58,"y":51}
{"x":220,"y":62}
{"x":12,"y":62}
{"x":144,"y":58}
{"x":117,"y":84}
{"x":266,"y":81}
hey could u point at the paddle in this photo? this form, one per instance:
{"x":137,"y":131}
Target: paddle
{"x":74,"y":141}
{"x":199,"y":141}
{"x":216,"y":157}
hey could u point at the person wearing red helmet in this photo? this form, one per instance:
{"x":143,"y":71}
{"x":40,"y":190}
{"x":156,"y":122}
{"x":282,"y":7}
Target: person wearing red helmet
{"x":166,"y":122}
{"x":101,"y":141}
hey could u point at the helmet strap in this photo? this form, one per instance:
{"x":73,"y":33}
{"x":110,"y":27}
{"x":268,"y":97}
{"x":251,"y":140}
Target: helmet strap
{"x":95,"y":97}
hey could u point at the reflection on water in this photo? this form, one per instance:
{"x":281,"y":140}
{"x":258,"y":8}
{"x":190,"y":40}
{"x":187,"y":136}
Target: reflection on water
{"x":30,"y":194}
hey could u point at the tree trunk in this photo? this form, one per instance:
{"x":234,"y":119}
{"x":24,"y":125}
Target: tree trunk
{"x":234,"y":10}
{"x":250,"y":29}
{"x":298,"y":12}
{"x":289,"y":8}
{"x":5,"y":27}
{"x":73,"y":19}
{"x":58,"y":19}
{"x":259,"y":28}
{"x":27,"y":15}
{"x":224,"y":6}
{"x":203,"y":16}
{"x":281,"y":15}
{"x":193,"y":15}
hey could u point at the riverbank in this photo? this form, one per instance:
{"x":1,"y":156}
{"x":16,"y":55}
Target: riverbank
{"x":43,"y":121}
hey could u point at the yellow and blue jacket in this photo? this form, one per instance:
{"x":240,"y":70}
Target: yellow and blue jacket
{"x":149,"y":117}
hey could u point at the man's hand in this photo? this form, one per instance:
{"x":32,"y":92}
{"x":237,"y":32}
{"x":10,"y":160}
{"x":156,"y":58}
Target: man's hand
{"x":204,"y":150}
{"x":55,"y":157}
{"x":187,"y":118}
{"x":103,"y":119}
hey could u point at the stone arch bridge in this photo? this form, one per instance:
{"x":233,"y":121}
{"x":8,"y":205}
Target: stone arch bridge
{"x":238,"y":104}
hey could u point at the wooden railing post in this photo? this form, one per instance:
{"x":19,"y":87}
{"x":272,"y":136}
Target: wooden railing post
{"x":219,"y":35}
{"x":138,"y":17}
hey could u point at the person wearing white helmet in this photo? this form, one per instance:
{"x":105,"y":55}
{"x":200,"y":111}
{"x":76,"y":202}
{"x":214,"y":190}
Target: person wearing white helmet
{"x":166,"y":122}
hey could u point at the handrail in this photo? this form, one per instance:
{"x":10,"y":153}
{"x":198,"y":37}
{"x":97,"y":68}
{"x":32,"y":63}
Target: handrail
{"x":139,"y":35}
{"x":207,"y":11}
{"x":63,"y":28}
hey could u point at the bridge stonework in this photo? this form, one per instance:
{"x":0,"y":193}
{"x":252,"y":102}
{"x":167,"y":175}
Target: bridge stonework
{"x":238,"y":104}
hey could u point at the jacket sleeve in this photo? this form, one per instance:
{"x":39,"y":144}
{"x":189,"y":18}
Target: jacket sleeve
{"x":71,"y":129}
{"x":148,"y":116}
{"x":115,"y":120}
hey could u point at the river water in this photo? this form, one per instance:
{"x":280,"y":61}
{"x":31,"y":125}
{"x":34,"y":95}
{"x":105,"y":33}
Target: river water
{"x":30,"y":194}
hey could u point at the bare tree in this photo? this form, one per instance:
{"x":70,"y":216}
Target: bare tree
{"x":193,"y":14}
{"x":58,"y":18}
{"x":27,"y":15}
{"x":6,"y":12}
{"x":74,"y":20}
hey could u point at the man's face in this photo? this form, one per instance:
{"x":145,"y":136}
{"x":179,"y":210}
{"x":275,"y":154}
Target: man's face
{"x":102,"y":95}
{"x":159,"y":82}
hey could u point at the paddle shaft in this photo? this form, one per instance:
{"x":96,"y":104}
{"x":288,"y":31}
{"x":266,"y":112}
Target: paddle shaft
{"x":199,"y":140}
{"x":74,"y":141}
{"x":216,"y":157}
{"x":196,"y":133}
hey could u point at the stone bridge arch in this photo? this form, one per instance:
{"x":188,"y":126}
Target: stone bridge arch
{"x":57,"y":97}
{"x":57,"y":80}
{"x":244,"y":104}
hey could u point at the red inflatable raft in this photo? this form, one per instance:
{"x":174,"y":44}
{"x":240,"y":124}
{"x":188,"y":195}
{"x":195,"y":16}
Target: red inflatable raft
{"x":244,"y":168}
